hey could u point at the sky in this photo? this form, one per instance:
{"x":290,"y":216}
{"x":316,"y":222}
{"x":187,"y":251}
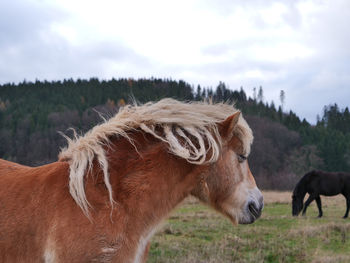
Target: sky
{"x":301,"y":47}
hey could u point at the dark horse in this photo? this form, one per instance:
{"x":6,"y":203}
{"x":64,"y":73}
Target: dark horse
{"x":317,"y":183}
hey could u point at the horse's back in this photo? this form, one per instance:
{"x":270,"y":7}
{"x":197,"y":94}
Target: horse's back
{"x":18,"y":181}
{"x":25,"y":207}
{"x":7,"y":167}
{"x":346,"y":183}
{"x":327,"y":183}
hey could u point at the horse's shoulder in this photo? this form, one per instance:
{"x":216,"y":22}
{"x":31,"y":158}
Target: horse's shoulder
{"x":318,"y":174}
{"x":312,"y":175}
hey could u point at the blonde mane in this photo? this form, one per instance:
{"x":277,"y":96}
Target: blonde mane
{"x":180,"y":123}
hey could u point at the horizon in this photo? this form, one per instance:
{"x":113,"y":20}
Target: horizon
{"x":194,"y":88}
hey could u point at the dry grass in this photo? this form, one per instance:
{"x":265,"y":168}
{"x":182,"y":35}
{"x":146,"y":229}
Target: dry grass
{"x":278,"y":197}
{"x":195,"y":233}
{"x":285,"y":197}
{"x":331,"y":259}
{"x":269,"y":198}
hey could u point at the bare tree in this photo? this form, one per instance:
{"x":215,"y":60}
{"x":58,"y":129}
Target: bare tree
{"x":260,"y":94}
{"x":282,"y":98}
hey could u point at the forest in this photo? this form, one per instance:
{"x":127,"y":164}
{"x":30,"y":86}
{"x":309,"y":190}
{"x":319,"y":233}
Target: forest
{"x":285,"y":147}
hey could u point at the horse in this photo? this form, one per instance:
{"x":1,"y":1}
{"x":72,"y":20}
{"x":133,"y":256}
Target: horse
{"x":110,"y":189}
{"x":317,"y":183}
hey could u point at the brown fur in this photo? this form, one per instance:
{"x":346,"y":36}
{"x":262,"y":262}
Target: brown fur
{"x":40,"y":221}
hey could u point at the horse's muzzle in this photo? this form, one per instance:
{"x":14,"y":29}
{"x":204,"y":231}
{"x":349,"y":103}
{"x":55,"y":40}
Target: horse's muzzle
{"x":253,"y":208}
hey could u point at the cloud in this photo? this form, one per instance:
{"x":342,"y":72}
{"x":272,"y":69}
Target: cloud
{"x":39,"y":60}
{"x":298,"y":46}
{"x":33,"y":49}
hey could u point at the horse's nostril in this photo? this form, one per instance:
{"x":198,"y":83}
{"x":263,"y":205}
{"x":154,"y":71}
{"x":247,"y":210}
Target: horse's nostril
{"x":254,"y":210}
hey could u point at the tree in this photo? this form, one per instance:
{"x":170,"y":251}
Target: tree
{"x":219,"y":94}
{"x":260,"y":95}
{"x":282,"y":98}
{"x":199,"y":93}
{"x":254,"y":94}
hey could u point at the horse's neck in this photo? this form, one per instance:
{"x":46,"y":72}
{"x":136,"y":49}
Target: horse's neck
{"x":300,"y":189}
{"x":148,"y":182}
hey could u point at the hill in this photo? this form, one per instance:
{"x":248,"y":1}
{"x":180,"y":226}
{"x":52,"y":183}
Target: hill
{"x":285,"y":147}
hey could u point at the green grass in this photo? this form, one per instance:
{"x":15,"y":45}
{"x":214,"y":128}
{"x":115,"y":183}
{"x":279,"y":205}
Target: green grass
{"x":195,"y":233}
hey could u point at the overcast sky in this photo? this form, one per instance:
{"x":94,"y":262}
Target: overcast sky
{"x":301,"y":47}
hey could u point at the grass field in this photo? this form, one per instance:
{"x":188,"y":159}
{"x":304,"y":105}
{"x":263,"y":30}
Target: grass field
{"x":195,"y":233}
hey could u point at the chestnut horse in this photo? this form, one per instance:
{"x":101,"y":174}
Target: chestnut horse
{"x":110,"y":189}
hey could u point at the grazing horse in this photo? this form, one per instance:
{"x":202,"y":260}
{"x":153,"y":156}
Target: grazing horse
{"x":110,"y":189}
{"x":317,"y":183}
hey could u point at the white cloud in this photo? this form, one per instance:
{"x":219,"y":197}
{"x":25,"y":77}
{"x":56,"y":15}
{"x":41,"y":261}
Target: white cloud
{"x":299,"y":46}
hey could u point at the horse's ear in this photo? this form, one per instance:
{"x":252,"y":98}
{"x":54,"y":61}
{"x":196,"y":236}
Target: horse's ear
{"x":227,"y":126}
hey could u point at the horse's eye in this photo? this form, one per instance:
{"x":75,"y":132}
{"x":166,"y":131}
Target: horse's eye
{"x":241,"y":158}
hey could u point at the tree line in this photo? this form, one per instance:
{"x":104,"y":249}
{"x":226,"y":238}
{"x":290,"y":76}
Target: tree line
{"x":285,"y":146}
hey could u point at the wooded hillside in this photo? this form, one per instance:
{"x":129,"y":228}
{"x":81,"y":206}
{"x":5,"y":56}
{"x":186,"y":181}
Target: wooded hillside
{"x":285,"y":147}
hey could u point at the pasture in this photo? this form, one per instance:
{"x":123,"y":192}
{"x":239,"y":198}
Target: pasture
{"x":195,"y":233}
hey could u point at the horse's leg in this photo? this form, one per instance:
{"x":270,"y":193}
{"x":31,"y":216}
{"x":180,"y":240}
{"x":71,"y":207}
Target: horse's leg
{"x":319,"y":205}
{"x":347,"y":207}
{"x":307,"y":203}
